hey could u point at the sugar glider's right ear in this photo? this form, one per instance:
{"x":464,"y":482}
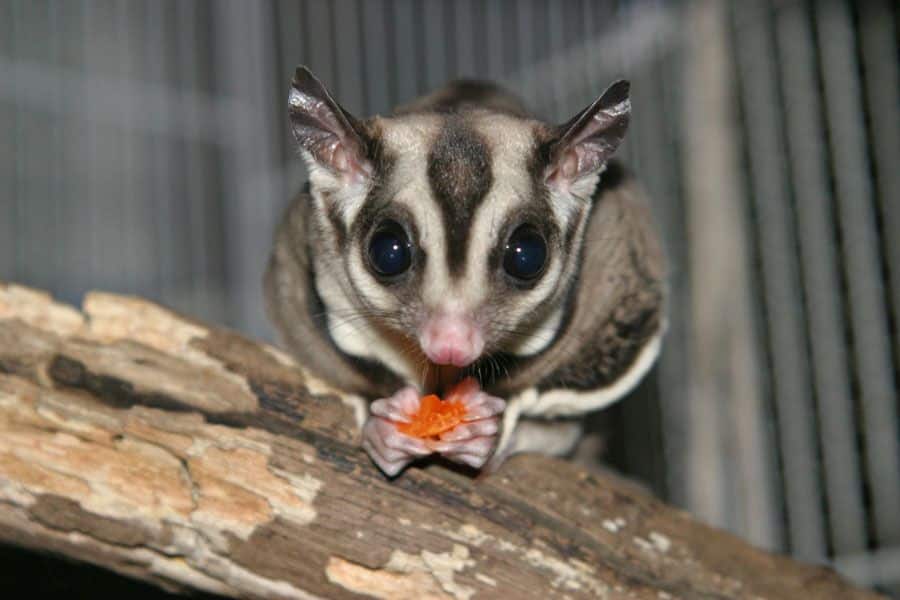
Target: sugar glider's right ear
{"x":584,"y":144}
{"x":329,"y":136}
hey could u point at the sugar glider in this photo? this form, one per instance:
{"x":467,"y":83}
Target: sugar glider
{"x":461,"y":237}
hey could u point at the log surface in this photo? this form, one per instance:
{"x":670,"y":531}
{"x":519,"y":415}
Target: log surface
{"x":191,"y":457}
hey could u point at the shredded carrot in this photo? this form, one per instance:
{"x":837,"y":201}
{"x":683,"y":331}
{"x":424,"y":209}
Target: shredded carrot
{"x":434,"y":417}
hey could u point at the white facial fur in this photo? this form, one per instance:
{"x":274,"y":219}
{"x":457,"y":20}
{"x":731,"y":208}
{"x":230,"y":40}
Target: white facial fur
{"x":408,"y":140}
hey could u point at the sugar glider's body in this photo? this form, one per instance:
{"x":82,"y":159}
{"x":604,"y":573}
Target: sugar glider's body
{"x":471,"y":193}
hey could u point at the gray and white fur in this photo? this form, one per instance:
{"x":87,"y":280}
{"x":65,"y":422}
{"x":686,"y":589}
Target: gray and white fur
{"x":459,"y":170}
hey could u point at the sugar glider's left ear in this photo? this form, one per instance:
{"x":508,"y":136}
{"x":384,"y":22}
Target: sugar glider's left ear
{"x":330,"y":136}
{"x":582,"y":146}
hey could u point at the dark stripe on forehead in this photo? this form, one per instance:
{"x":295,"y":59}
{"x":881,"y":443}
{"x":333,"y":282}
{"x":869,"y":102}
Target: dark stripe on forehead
{"x":459,"y":172}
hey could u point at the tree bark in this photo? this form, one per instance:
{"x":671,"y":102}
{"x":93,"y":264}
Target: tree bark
{"x":188,"y":456}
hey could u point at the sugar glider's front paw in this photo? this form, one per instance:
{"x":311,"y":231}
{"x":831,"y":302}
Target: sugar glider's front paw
{"x":388,"y":448}
{"x":473,"y":441}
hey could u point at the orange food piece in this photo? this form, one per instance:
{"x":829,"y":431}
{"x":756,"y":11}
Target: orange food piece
{"x":434,"y":417}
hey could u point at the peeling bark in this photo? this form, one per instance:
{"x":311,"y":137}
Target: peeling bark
{"x":188,"y":456}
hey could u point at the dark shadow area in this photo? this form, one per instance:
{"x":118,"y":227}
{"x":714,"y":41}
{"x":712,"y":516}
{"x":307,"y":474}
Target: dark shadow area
{"x":25,"y":574}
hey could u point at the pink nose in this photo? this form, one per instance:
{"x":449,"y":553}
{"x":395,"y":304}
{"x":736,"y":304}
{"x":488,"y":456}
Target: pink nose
{"x":451,"y":340}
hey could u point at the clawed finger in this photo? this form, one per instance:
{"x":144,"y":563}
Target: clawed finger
{"x":469,"y":459}
{"x":389,"y":467}
{"x":388,"y":434}
{"x":398,"y":407}
{"x":483,"y":405}
{"x":388,"y":448}
{"x":479,"y":446}
{"x":388,"y":409}
{"x":465,"y":431}
{"x":372,"y":440}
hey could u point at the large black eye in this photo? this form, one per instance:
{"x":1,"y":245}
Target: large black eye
{"x":390,"y":250}
{"x":525,"y":253}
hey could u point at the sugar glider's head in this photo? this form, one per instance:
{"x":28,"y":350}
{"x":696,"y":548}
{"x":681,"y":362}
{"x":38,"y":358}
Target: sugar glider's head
{"x":458,"y":222}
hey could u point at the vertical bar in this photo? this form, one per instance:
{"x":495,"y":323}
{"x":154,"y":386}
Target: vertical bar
{"x":862,"y":265}
{"x":575,"y":46}
{"x":21,"y":157}
{"x":108,"y":231}
{"x":671,"y":209}
{"x":559,"y":82}
{"x":792,"y":387}
{"x":526,"y":51}
{"x":55,"y":156}
{"x":419,"y":45}
{"x":405,"y":52}
{"x":9,"y":152}
{"x":138,"y":248}
{"x":169,"y":225}
{"x":588,"y":37}
{"x":705,"y":476}
{"x":122,"y":267}
{"x":33,"y":149}
{"x":139,"y":189}
{"x":252,"y":195}
{"x":622,"y":61}
{"x":290,"y":35}
{"x":644,"y":127}
{"x":322,"y":43}
{"x":511,"y":59}
{"x":494,"y":39}
{"x":18,"y":163}
{"x":70,"y":243}
{"x":478,"y":37}
{"x":642,"y":412}
{"x":193,"y":193}
{"x":290,"y":55}
{"x":435,"y":28}
{"x":348,"y":54}
{"x":293,"y":40}
{"x":205,"y":179}
{"x":808,"y":159}
{"x":533,"y":35}
{"x":191,"y":176}
{"x":726,"y":451}
{"x":601,"y":19}
{"x":465,"y":44}
{"x":98,"y":228}
{"x":640,"y":415}
{"x":89,"y":220}
{"x":878,"y":36}
{"x":375,"y":58}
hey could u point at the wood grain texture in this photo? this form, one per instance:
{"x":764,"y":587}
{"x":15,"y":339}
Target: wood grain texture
{"x":188,"y":456}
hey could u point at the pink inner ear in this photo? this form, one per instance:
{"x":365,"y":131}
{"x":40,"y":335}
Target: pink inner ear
{"x":339,"y":159}
{"x":568,"y":166}
{"x":342,"y":161}
{"x":566,"y":169}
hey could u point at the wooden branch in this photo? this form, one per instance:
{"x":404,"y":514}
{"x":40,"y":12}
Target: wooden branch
{"x":188,"y":456}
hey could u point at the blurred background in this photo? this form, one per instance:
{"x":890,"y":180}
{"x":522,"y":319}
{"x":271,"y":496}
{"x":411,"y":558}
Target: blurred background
{"x":144,"y":149}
